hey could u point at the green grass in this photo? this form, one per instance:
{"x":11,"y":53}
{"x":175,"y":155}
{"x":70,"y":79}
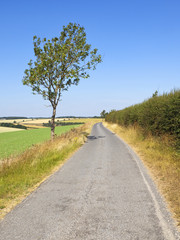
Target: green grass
{"x":13,"y":143}
{"x":22,"y":174}
{"x":25,"y":173}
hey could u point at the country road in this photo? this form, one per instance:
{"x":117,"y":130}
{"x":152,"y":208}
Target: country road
{"x":102,"y":193}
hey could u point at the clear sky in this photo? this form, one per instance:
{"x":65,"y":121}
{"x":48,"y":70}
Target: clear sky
{"x":139,"y":41}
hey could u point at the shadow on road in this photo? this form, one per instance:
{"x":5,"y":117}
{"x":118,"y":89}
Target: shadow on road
{"x":94,"y":137}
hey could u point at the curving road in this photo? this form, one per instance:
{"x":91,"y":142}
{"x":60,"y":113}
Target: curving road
{"x":102,"y":193}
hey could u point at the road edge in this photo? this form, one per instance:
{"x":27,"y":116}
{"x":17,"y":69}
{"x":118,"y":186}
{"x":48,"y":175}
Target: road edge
{"x":168,"y":226}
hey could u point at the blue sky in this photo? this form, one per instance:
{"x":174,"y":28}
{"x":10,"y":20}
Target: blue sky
{"x":139,"y":41}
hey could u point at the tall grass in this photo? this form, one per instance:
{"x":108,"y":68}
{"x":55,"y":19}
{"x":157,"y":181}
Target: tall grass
{"x":160,"y":157}
{"x":152,"y":128}
{"x":22,"y":173}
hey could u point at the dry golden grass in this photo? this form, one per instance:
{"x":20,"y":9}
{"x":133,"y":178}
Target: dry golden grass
{"x":33,"y":125}
{"x":12,"y":120}
{"x":32,"y":121}
{"x":8,"y":129}
{"x":160,"y":158}
{"x":44,"y":120}
{"x":21,"y":175}
{"x":83,"y":120}
{"x":36,"y":121}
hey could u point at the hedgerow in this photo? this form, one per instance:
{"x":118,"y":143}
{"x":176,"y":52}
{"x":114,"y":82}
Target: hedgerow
{"x":158,"y":115}
{"x":11,"y":125}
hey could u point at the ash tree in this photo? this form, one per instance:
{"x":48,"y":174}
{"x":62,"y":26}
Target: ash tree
{"x":60,"y":63}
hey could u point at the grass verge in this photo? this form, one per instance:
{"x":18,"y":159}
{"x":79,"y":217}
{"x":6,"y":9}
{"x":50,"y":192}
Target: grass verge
{"x":160,"y":158}
{"x":24,"y":173}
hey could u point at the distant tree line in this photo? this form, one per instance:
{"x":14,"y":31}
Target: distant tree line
{"x":62,"y":123}
{"x":12,"y":125}
{"x":11,"y":118}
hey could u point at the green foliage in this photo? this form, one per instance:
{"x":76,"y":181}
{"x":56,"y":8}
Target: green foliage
{"x":13,"y":143}
{"x":62,"y":123}
{"x":12,"y":125}
{"x":103,"y":114}
{"x":60,"y":63}
{"x":11,"y":118}
{"x":159,"y":115}
{"x":155,"y":94}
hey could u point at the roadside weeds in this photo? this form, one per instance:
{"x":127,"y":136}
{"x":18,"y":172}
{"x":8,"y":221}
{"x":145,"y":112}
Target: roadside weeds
{"x":21,"y":175}
{"x":160,"y":158}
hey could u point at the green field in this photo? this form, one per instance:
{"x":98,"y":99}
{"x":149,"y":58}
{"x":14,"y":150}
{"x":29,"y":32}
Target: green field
{"x":13,"y":143}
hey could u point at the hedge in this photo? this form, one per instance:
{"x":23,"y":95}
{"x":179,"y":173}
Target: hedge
{"x":159,"y":115}
{"x":12,"y":125}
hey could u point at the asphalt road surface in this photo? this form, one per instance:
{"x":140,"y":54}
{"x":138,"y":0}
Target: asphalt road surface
{"x":102,"y":193}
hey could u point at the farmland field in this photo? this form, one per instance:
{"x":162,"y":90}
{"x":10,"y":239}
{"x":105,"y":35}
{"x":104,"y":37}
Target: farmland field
{"x":13,"y":143}
{"x":36,"y":122}
{"x":8,"y":129}
{"x":12,"y":120}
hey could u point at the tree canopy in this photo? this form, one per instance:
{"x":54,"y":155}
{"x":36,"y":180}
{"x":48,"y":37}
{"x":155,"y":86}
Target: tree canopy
{"x":103,"y":114}
{"x":60,"y":63}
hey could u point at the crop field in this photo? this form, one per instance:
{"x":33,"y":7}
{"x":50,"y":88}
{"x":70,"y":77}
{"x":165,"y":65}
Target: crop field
{"x":13,"y":143}
{"x":12,"y":120}
{"x":8,"y":129}
{"x":32,"y":126}
{"x":38,"y":121}
{"x":84,"y":120}
{"x":46,"y":120}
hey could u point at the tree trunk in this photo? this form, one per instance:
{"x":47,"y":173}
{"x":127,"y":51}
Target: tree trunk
{"x":53,"y":123}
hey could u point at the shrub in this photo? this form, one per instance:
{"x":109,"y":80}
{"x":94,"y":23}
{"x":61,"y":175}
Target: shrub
{"x":158,"y":115}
